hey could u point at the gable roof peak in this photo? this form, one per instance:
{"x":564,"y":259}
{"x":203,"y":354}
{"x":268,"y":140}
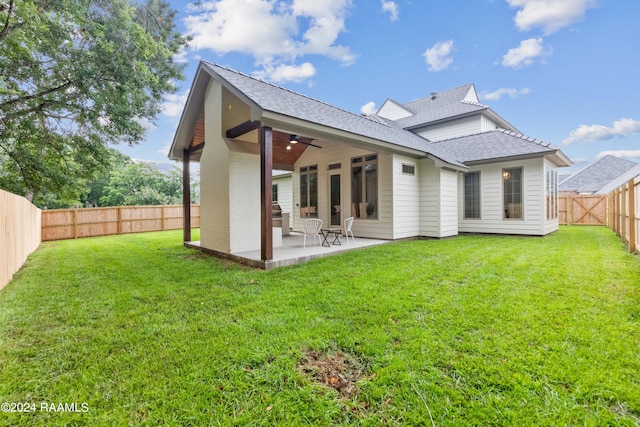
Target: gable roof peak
{"x":257,"y":79}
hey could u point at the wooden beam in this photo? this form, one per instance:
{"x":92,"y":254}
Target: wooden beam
{"x":195,"y":148}
{"x":266,"y":171}
{"x":186,"y":196}
{"x":243,"y":128}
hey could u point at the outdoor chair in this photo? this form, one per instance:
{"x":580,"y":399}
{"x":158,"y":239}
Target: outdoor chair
{"x":348,"y":223}
{"x":311,"y":227}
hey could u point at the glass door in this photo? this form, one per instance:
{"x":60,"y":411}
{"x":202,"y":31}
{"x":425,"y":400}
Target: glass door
{"x":334,"y":202}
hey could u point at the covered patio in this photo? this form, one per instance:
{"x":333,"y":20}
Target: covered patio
{"x":292,"y":251}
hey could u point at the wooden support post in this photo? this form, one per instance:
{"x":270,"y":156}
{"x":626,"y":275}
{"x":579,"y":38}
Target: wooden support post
{"x":186,"y":196}
{"x":266,"y":170}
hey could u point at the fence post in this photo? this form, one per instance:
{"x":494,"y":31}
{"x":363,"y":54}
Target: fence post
{"x":162,"y":215}
{"x":119,"y":220}
{"x":569,"y":212}
{"x":74,"y":220}
{"x":632,"y":215}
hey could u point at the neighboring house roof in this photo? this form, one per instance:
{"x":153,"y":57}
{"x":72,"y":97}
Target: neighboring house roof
{"x":496,"y":145}
{"x":620,"y":180}
{"x":596,"y":175}
{"x":269,"y":97}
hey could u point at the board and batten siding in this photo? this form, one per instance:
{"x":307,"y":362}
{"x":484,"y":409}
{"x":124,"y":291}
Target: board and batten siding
{"x":406,"y":198}
{"x":332,"y":153}
{"x":491,"y":200}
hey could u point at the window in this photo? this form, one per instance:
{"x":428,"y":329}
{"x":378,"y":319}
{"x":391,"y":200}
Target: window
{"x":364,"y":186}
{"x":512,"y":193}
{"x":274,"y":193}
{"x":408,"y":169}
{"x":472,"y":195}
{"x":551,"y":187}
{"x":309,"y":192}
{"x":334,"y":166}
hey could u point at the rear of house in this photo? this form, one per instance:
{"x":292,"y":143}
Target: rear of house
{"x":433,"y":167}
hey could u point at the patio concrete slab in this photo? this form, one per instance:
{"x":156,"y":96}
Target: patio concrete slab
{"x":292,"y":251}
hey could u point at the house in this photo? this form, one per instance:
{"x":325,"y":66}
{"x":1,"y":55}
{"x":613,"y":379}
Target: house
{"x":599,"y":176}
{"x":434,"y":167}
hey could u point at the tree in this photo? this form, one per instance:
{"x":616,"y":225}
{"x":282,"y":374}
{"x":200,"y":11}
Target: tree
{"x":76,"y":75}
{"x":142,"y":184}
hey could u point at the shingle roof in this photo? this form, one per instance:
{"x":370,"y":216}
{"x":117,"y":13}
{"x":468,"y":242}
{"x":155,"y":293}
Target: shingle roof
{"x":283,"y":101}
{"x":596,"y":175}
{"x":620,"y":180}
{"x":494,"y":145}
{"x":442,"y":105}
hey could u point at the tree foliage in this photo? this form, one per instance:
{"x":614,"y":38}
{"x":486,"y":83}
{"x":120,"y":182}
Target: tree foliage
{"x":141,"y":184}
{"x":76,"y":75}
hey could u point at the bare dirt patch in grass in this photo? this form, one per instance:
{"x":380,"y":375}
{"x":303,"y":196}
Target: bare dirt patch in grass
{"x":338,"y":370}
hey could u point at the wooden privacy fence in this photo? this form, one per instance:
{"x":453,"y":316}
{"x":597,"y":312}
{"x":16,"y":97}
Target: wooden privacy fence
{"x":63,"y":224}
{"x":624,"y":212}
{"x":583,"y":209}
{"x":19,"y":233}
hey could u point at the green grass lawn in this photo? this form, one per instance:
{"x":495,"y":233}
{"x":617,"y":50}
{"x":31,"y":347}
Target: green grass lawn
{"x":475,"y":330}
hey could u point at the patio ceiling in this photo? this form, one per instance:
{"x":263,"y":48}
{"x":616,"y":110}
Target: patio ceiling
{"x":285,"y":154}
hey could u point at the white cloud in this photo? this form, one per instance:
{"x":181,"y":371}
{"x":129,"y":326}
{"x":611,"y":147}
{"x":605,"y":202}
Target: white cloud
{"x":287,"y":73}
{"x":593,"y":133}
{"x":438,"y":57}
{"x":551,"y":15}
{"x":525,"y":54}
{"x":391,"y":8}
{"x":510,"y":92}
{"x":369,"y":108}
{"x":629,"y":154}
{"x":174,"y":104}
{"x":275,"y":33}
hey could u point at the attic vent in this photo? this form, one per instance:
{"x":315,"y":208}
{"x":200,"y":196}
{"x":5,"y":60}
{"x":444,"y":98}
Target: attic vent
{"x":434,"y":95}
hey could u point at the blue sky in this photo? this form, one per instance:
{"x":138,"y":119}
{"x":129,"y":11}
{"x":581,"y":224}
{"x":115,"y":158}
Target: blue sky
{"x":564,"y":71}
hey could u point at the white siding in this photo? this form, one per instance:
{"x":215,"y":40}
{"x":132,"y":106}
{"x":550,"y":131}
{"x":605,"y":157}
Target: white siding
{"x":448,"y":203}
{"x":406,"y":199}
{"x":550,"y":225}
{"x":491,"y":200}
{"x":429,"y":179}
{"x":486,"y":124}
{"x":380,"y":228}
{"x":452,"y":129}
{"x":438,"y":201}
{"x":392,"y":111}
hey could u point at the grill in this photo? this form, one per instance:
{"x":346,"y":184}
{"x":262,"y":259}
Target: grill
{"x":276,"y":211}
